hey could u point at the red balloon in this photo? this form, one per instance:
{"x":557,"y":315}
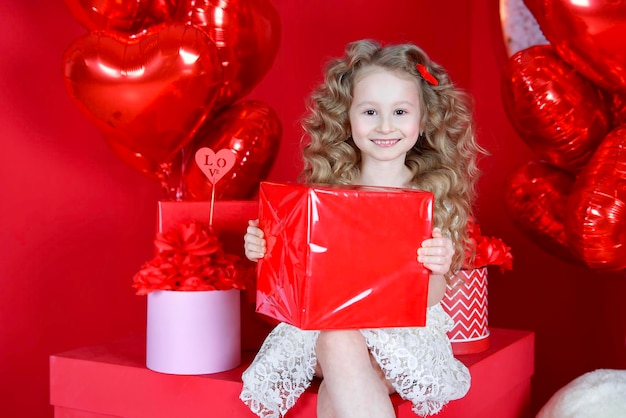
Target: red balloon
{"x":560,"y":115}
{"x":617,"y":108}
{"x":150,"y":93}
{"x":247,"y":35}
{"x":535,"y":199}
{"x":596,"y":222}
{"x":252,"y":131}
{"x":589,"y":35}
{"x":127,"y":16}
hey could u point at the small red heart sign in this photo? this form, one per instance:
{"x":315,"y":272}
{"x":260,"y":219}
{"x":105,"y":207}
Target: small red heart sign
{"x":215,"y":165}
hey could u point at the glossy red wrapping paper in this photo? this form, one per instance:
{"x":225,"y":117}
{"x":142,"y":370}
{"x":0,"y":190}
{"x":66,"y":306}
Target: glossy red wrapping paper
{"x":341,"y":257}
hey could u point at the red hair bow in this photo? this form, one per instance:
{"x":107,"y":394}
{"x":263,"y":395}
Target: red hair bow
{"x":426,"y":75}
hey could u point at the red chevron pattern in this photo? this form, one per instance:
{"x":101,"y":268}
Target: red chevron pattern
{"x":467,"y":305}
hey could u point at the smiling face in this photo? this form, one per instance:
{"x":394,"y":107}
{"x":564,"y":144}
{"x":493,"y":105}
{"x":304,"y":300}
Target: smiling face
{"x":384,"y":115}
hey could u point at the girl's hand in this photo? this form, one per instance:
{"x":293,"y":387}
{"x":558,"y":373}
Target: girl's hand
{"x":436,"y":253}
{"x":253,"y":241}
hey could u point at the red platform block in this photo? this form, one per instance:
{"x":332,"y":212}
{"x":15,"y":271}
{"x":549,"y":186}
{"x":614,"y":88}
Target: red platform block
{"x":111,"y":380}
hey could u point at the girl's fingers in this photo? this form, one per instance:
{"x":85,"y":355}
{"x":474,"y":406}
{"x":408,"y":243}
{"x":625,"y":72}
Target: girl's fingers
{"x":437,"y":266}
{"x":254,"y":253}
{"x":255,"y":231}
{"x":254,"y":243}
{"x":436,"y":253}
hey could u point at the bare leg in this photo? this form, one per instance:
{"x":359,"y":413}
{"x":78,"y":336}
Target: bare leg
{"x":324,"y":408}
{"x":353,"y":385}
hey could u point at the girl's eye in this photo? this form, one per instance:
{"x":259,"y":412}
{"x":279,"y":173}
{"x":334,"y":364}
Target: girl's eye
{"x":370,"y":112}
{"x":400,"y":112}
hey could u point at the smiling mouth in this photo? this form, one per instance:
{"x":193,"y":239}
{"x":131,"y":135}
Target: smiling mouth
{"x":385,"y":142}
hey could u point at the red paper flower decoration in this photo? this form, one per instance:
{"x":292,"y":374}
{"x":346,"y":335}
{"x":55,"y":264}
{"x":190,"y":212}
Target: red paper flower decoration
{"x":190,"y":258}
{"x":488,"y":251}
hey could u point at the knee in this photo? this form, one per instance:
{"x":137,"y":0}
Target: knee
{"x":341,"y":345}
{"x":345,"y":353}
{"x":341,"y":340}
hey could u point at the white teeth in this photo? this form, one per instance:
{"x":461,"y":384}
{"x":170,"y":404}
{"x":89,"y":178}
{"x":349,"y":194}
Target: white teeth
{"x":384,"y":141}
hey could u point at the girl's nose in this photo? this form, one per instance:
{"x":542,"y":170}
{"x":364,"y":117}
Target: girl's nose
{"x":385,"y":125}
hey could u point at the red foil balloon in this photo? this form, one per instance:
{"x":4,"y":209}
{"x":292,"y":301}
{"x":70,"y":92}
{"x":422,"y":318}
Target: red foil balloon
{"x":252,"y":131}
{"x":127,"y":16}
{"x":596,"y":220}
{"x":617,"y":108}
{"x":589,"y":35}
{"x":535,"y":199}
{"x":148,"y":94}
{"x":560,"y":115}
{"x":247,"y":35}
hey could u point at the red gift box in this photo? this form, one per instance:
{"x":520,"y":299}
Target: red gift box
{"x":342,"y":257}
{"x":230,"y":218}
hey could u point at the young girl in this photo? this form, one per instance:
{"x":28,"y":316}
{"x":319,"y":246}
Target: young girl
{"x":384,"y":116}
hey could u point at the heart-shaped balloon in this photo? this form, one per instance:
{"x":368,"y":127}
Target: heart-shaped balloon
{"x":617,"y":108}
{"x":126,"y":16}
{"x":214,"y":165}
{"x":251,"y":131}
{"x":149,"y":93}
{"x":596,"y":217}
{"x":535,"y":199}
{"x":247,"y":35}
{"x":589,"y":35}
{"x":560,"y":115}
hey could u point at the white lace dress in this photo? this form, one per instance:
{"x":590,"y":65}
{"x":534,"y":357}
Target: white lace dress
{"x":417,"y":361}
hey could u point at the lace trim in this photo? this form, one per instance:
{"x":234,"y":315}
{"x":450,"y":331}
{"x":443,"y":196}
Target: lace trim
{"x":417,"y":361}
{"x":282,"y":370}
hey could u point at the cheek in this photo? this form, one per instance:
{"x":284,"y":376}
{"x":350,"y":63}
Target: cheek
{"x":412,"y":129}
{"x":360,"y":141}
{"x":409,"y":129}
{"x":353,"y":121}
{"x":359,"y":127}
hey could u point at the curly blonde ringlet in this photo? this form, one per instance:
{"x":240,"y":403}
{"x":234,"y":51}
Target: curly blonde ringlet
{"x":444,"y":160}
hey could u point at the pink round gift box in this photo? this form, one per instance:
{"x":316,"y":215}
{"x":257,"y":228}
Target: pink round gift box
{"x":193,"y":332}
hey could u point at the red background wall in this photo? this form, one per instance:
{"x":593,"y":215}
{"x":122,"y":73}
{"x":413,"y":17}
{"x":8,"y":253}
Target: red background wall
{"x":75,"y":223}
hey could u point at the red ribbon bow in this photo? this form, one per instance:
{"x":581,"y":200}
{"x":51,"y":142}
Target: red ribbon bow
{"x":426,"y":75}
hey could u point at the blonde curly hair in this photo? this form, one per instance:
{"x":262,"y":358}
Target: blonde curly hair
{"x":443,"y":161}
